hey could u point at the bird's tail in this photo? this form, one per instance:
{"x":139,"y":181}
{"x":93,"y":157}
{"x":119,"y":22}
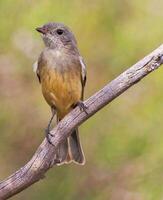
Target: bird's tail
{"x":71,"y":150}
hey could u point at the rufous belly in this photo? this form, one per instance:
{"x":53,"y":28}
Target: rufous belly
{"x":61,"y":89}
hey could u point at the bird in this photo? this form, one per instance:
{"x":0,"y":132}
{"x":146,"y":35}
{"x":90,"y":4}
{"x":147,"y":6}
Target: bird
{"x":61,"y":72}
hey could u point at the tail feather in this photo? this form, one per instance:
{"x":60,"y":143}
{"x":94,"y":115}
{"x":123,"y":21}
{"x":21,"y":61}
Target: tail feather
{"x":62,"y":151}
{"x":70,"y":150}
{"x":75,"y":148}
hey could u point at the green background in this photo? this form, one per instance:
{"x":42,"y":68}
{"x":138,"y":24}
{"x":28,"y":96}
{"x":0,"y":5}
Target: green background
{"x":123,"y":143}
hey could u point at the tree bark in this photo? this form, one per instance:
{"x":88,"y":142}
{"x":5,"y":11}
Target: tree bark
{"x":43,"y":159}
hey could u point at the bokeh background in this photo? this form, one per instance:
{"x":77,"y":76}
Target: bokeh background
{"x":123,"y":142}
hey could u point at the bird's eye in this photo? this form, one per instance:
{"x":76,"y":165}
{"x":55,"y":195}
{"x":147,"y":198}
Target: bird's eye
{"x":59,"y":31}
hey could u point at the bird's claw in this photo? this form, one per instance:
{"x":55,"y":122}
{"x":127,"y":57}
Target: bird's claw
{"x":48,"y":135}
{"x":82,"y":106}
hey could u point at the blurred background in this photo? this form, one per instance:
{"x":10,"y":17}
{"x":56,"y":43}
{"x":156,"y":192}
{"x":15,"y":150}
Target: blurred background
{"x":123,"y":143}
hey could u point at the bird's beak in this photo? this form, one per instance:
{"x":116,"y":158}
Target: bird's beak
{"x":41,"y":30}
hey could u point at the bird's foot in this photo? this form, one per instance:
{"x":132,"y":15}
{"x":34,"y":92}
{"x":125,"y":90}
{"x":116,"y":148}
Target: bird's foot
{"x":82,"y":106}
{"x":48,"y":136}
{"x":47,"y":130}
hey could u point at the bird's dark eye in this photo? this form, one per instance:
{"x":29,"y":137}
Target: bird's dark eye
{"x":59,"y":31}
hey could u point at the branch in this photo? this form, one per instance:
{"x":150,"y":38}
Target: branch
{"x":43,"y":159}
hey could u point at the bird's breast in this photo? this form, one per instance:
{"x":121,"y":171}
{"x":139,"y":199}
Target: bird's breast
{"x":61,"y":88}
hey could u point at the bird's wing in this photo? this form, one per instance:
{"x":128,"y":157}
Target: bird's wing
{"x":36,"y":70}
{"x":83,"y":75}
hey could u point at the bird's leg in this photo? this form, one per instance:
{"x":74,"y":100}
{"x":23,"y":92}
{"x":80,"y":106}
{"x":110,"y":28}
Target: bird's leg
{"x":82,"y":106}
{"x":47,"y":130}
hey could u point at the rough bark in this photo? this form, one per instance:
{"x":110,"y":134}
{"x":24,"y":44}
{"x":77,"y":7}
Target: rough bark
{"x":43,"y":159}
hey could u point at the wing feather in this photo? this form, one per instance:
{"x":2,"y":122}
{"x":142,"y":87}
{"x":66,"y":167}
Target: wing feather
{"x":36,"y":70}
{"x":83,"y":75}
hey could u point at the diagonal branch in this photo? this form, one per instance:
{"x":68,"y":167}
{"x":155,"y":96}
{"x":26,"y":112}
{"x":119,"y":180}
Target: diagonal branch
{"x":43,"y":159}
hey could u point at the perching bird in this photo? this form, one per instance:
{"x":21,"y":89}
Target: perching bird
{"x":62,"y":74}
